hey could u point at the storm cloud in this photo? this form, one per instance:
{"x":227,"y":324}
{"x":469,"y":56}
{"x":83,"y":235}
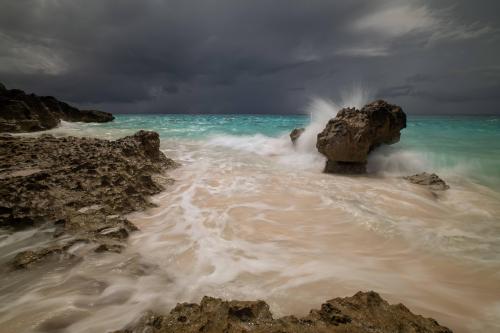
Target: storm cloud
{"x":232,"y":56}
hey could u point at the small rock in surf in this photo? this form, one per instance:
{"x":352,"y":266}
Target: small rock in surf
{"x":296,"y":133}
{"x":428,"y":179}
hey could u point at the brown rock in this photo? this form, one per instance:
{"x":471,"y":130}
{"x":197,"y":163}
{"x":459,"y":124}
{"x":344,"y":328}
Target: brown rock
{"x":348,"y":168}
{"x":106,"y":247}
{"x":26,"y":259}
{"x":431,"y":180}
{"x":352,"y":134}
{"x":21,"y":112}
{"x":362,"y":313}
{"x":83,"y":186}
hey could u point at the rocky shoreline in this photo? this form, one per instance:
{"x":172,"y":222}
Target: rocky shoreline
{"x":79,"y":187}
{"x":83,"y":186}
{"x":349,"y":137}
{"x":21,"y":112}
{"x":365,"y":312}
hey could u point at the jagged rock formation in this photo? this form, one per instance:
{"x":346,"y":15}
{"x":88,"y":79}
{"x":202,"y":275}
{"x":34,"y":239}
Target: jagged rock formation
{"x":82,"y":186}
{"x":296,"y":133}
{"x":352,"y":134}
{"x":21,"y":112}
{"x":361,"y":313}
{"x":428,"y":179}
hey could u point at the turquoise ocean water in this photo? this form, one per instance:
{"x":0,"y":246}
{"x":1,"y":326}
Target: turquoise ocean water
{"x":468,"y":146}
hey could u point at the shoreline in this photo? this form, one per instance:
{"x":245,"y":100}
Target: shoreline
{"x":79,"y":187}
{"x":115,"y":230}
{"x":239,"y":218}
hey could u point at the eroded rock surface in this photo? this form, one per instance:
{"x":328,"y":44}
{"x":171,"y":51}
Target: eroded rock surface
{"x":81,"y":186}
{"x":361,"y":313}
{"x":21,"y":112}
{"x":352,"y":134}
{"x":428,"y":179}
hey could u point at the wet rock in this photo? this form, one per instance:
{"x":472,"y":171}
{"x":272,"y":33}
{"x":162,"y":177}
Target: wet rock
{"x":364,"y":312}
{"x":349,"y":137}
{"x":428,"y":179}
{"x":296,"y":133}
{"x":106,"y":247}
{"x":95,"y":224}
{"x":61,"y":320}
{"x":348,"y":168}
{"x":26,"y":259}
{"x":21,"y":112}
{"x":82,"y":186}
{"x":73,"y":178}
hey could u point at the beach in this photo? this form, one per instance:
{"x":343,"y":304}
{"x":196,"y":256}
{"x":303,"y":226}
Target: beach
{"x":251,"y":216}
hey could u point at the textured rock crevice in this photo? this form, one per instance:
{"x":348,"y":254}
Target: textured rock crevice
{"x":80,"y":186}
{"x":361,"y":313}
{"x":21,"y":112}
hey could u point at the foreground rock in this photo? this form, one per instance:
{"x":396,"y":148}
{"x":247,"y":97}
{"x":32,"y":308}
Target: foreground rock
{"x":21,"y":112}
{"x":352,"y":134}
{"x":428,"y":179}
{"x":80,"y":186}
{"x":364,"y":312}
{"x":296,"y":133}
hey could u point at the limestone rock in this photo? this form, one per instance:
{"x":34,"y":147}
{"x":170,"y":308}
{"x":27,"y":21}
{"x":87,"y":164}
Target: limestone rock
{"x":428,"y":179}
{"x":352,"y":134}
{"x":365,"y":312}
{"x":82,"y":186}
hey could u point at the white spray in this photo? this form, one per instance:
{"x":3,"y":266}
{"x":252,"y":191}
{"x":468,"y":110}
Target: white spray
{"x":304,"y":154}
{"x":322,"y":110}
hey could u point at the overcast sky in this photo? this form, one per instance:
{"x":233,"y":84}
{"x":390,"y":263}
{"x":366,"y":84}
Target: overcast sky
{"x":255,"y":56}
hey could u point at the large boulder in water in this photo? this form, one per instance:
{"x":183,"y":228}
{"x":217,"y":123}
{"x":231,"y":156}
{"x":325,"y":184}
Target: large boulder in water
{"x":352,"y":134}
{"x":21,"y":112}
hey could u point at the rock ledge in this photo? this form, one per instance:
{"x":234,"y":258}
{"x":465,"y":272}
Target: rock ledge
{"x":365,"y":312}
{"x":80,"y":186}
{"x":21,"y":112}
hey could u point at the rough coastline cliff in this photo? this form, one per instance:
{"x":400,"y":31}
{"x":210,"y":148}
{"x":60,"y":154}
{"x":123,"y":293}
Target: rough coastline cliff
{"x":21,"y":112}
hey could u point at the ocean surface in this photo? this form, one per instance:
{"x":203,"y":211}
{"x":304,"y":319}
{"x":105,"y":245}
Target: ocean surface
{"x":467,"y":146}
{"x":251,"y":216}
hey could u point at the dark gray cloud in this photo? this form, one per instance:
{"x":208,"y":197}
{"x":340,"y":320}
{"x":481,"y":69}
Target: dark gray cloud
{"x":260,"y":56}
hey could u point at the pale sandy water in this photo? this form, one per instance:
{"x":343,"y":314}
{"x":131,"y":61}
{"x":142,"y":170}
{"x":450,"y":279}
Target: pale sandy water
{"x":260,"y":221}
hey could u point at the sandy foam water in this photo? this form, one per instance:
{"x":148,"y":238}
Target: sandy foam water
{"x":253,"y":227}
{"x":279,"y":148}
